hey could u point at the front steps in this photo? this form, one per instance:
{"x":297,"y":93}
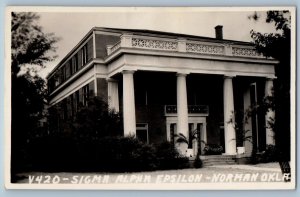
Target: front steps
{"x":211,"y":160}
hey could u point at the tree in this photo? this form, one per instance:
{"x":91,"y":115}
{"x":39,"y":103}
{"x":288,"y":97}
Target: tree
{"x":30,"y":48}
{"x":278,"y":46}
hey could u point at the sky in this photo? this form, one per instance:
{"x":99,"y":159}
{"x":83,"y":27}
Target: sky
{"x":71,"y":26}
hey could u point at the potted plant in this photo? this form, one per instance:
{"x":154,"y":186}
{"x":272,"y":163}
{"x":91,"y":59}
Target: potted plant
{"x":242,"y":133}
{"x":181,"y":144}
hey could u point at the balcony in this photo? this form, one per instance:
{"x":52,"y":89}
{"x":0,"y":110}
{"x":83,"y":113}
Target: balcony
{"x":196,"y":110}
{"x":183,"y":45}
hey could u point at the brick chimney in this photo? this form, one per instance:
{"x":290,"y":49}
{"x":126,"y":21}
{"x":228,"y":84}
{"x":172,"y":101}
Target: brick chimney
{"x":219,"y":32}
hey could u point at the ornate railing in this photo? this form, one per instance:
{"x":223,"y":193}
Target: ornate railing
{"x":241,"y":51}
{"x":183,"y":45}
{"x":115,"y":47}
{"x":192,"y":109}
{"x":154,"y":44}
{"x":205,"y":48}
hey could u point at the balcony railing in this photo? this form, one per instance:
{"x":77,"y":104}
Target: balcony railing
{"x":183,"y":46}
{"x":192,"y":109}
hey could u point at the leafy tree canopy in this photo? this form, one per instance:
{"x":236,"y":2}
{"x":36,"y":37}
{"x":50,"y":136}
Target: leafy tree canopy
{"x":276,"y":45}
{"x":29,"y":44}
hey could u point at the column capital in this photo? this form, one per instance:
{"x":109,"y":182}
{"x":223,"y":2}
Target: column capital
{"x":270,"y":78}
{"x":128,"y":71}
{"x":229,"y":76}
{"x":111,"y":80}
{"x":183,"y":74}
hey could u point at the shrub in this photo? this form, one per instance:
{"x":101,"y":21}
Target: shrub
{"x":271,"y":154}
{"x":169,"y":158}
{"x":108,"y":154}
{"x":121,"y":154}
{"x":213,"y":149}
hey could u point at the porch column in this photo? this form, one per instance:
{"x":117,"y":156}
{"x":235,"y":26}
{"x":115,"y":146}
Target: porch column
{"x":270,"y":114}
{"x":113,"y":94}
{"x":168,"y":132}
{"x":128,"y":104}
{"x":182,"y":107}
{"x":248,"y":124}
{"x":229,"y":131}
{"x":203,"y":137}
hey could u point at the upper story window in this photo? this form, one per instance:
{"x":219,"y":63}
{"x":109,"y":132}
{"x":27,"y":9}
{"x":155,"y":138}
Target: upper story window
{"x":75,"y":63}
{"x":85,"y":95}
{"x":68,"y":68}
{"x":84,"y":55}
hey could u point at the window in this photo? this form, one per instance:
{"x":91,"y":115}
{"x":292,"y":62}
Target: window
{"x":51,"y":83}
{"x":70,"y":67}
{"x":85,"y":95}
{"x":56,"y":79}
{"x":141,"y":97}
{"x":69,"y":107}
{"x":68,"y":70}
{"x":64,"y":109}
{"x":76,"y":101}
{"x":142,"y":132}
{"x":75,"y":64}
{"x":173,"y":132}
{"x":84,"y":55}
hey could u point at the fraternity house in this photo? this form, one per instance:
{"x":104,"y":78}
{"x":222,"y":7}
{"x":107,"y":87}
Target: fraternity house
{"x":165,"y":83}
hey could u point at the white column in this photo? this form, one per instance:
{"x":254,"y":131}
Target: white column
{"x":182,"y":107}
{"x":270,"y":114}
{"x":203,"y":137}
{"x":113,"y":94}
{"x":248,"y":125}
{"x":128,"y":104}
{"x":168,"y":132}
{"x":229,"y":131}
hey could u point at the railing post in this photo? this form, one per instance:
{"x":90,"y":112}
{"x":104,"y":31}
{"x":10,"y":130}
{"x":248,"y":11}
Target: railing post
{"x":181,"y":45}
{"x":108,"y":49}
{"x":126,"y":40}
{"x":228,"y":49}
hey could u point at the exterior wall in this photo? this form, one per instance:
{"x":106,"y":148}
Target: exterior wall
{"x":152,"y":92}
{"x":102,"y":41}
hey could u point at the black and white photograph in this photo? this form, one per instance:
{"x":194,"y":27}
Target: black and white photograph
{"x":150,"y":98}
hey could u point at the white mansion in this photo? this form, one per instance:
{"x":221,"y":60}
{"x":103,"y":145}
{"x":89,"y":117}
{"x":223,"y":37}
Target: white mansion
{"x":167,"y":83}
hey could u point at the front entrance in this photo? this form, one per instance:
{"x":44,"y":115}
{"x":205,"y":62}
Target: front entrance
{"x":197,"y":133}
